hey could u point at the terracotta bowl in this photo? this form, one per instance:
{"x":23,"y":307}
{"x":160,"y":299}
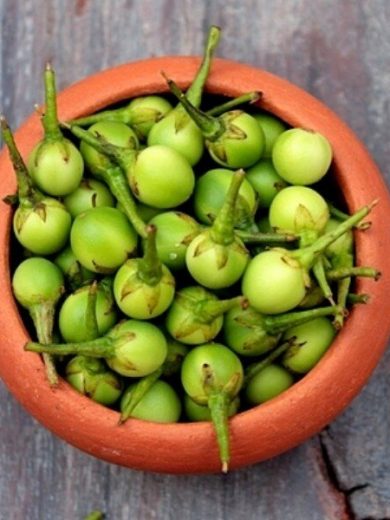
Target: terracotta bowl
{"x":261,"y":432}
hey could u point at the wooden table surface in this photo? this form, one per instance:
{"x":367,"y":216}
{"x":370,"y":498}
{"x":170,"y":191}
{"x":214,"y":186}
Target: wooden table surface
{"x":339,"y":50}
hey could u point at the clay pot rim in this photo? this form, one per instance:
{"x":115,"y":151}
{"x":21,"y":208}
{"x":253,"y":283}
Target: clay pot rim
{"x":256,"y":434}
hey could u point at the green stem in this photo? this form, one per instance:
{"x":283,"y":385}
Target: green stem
{"x":341,"y":215}
{"x":119,"y":187}
{"x":26,"y":191}
{"x":122,"y":115}
{"x":322,"y":279}
{"x":50,"y":119}
{"x":222,"y":230}
{"x":307,"y":255}
{"x":257,"y":367}
{"x":90,"y":312}
{"x":211,"y":127}
{"x":95,"y":515}
{"x":150,"y":267}
{"x":358,"y":298}
{"x":282,"y":322}
{"x":92,"y":139}
{"x":43,"y":318}
{"x":342,"y":296}
{"x":99,"y":347}
{"x":347,"y":272}
{"x":307,"y":237}
{"x":218,"y":403}
{"x":264,"y":238}
{"x":119,"y":155}
{"x":115,"y":176}
{"x":137,"y":393}
{"x":125,"y":114}
{"x":337,"y":213}
{"x":344,"y":260}
{"x":250,"y":97}
{"x":194,"y":92}
{"x":208,"y":310}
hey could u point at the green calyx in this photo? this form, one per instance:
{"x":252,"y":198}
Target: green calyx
{"x":144,"y":287}
{"x":211,"y":127}
{"x":90,"y":377}
{"x":204,"y":306}
{"x":196,"y":315}
{"x":208,"y":309}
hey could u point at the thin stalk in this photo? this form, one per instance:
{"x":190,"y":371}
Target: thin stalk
{"x":250,"y":97}
{"x":342,"y":273}
{"x":139,"y":390}
{"x":346,"y":272}
{"x":265,"y":238}
{"x":257,"y":367}
{"x":149,"y":267}
{"x":124,"y":114}
{"x":222,"y":229}
{"x":307,"y":255}
{"x":341,"y":215}
{"x":50,"y":119}
{"x":207,"y":311}
{"x":43,"y":318}
{"x":26,"y":191}
{"x":90,"y":312}
{"x":119,"y":187}
{"x":358,"y":298}
{"x":97,"y":141}
{"x":95,"y":515}
{"x":322,"y":280}
{"x":282,"y":322}
{"x":99,"y":347}
{"x":194,"y":92}
{"x":115,"y":176}
{"x":218,"y":403}
{"x":121,"y":115}
{"x":342,"y":296}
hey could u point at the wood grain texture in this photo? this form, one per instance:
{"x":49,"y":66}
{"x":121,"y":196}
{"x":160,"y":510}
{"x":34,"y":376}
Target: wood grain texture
{"x":340,"y":52}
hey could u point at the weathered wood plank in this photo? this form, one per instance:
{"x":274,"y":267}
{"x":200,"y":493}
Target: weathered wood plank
{"x":358,"y":447}
{"x":42,"y":476}
{"x":339,"y":51}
